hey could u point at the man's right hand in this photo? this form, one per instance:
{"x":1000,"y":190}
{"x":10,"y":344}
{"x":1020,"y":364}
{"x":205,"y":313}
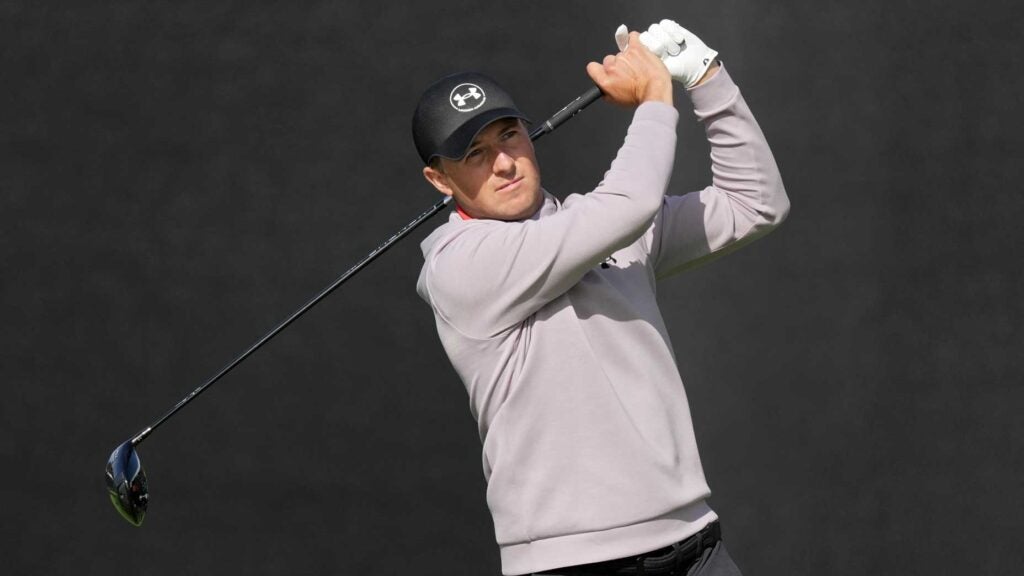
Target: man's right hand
{"x":633,"y":76}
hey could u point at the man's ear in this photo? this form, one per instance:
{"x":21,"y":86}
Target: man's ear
{"x":438,"y":179}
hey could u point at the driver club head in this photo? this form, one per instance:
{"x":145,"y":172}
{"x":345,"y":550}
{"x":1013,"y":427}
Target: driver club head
{"x":126,"y":483}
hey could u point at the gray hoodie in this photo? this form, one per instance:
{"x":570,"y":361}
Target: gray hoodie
{"x":553,"y":326}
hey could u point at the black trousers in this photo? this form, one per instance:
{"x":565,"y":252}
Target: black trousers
{"x":702,"y":554}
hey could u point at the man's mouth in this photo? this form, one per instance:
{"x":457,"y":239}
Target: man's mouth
{"x":510,"y":186}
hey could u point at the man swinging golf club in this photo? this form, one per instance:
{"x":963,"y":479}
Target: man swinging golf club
{"x":547,"y":309}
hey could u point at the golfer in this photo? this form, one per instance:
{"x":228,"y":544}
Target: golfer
{"x":547,"y":308}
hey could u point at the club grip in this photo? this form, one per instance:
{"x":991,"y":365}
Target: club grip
{"x":570,"y":110}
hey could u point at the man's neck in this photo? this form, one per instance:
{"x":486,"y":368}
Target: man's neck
{"x":462,"y":212}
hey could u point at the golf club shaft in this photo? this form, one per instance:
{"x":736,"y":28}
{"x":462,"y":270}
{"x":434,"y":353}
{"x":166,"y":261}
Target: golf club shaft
{"x":549,"y":125}
{"x":295,"y":315}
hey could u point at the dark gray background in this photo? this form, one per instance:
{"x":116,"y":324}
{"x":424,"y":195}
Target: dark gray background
{"x":177,"y":177}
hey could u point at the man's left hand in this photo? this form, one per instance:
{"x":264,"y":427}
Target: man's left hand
{"x":687,"y":57}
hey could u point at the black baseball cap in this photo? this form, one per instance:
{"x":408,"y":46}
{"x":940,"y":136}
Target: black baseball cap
{"x":453,"y":110}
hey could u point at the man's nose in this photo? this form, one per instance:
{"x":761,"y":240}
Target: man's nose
{"x":504,"y":163}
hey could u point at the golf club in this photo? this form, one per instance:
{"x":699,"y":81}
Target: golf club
{"x":126,"y":478}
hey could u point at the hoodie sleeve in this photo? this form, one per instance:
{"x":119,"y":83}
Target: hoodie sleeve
{"x":746,"y":199}
{"x":487,"y":276}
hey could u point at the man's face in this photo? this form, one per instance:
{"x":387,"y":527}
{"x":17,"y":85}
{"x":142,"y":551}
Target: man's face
{"x":498,"y":177}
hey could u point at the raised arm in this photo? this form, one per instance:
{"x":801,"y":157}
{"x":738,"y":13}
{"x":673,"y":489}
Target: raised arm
{"x":746,"y":198}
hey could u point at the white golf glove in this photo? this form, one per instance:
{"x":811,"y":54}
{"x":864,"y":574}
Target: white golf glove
{"x":686,"y":56}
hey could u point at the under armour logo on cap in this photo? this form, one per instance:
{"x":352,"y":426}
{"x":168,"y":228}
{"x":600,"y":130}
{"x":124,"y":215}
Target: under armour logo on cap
{"x":466,"y":97}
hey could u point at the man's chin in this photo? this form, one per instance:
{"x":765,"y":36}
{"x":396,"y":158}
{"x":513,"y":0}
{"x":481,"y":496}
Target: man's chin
{"x":529,"y":210}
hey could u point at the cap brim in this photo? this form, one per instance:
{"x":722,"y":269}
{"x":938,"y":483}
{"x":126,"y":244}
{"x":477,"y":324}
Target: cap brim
{"x":456,"y":145}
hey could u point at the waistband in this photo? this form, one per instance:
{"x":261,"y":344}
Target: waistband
{"x":670,"y":560}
